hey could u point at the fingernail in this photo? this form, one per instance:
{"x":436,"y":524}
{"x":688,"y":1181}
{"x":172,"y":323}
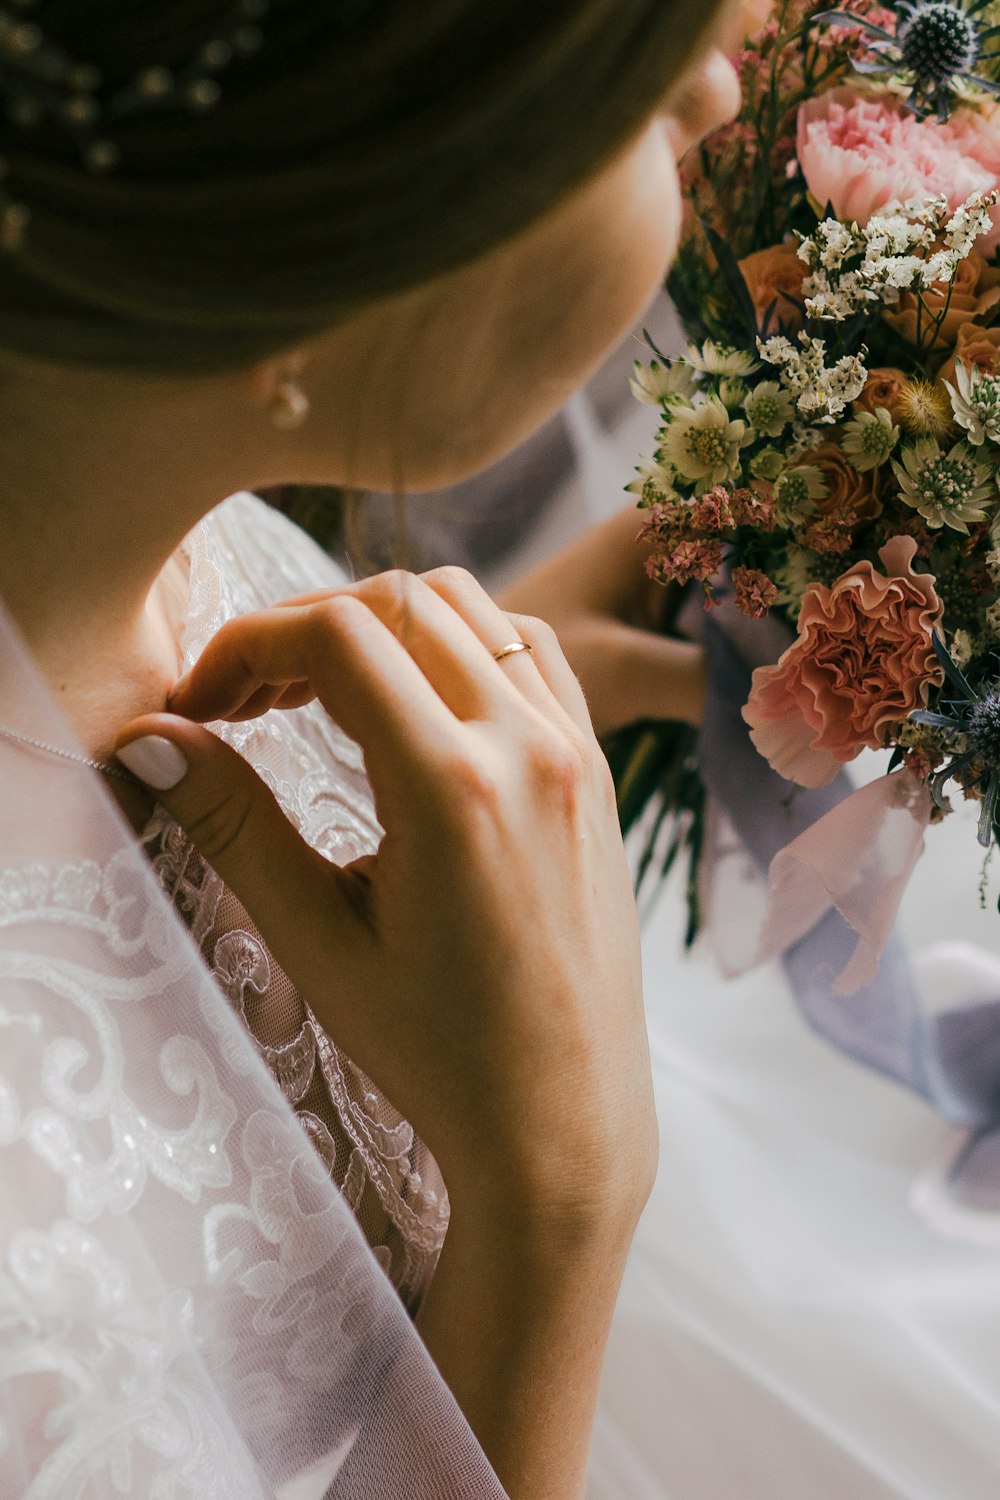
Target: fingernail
{"x":156,"y":761}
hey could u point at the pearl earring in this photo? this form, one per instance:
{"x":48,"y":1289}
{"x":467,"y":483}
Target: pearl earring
{"x":289,"y":405}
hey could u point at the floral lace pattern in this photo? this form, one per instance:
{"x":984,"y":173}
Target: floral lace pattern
{"x":245,"y":557}
{"x":188,"y":1305}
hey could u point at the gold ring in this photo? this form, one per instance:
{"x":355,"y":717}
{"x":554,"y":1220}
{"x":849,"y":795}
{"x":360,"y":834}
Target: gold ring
{"x":510,"y":650}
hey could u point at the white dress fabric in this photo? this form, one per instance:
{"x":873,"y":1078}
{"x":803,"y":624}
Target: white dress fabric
{"x":205,"y":1214}
{"x":244,"y":557}
{"x":812,"y":1303}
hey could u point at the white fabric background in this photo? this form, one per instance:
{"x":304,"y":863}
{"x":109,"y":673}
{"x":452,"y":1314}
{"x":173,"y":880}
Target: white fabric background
{"x":806,"y":1312}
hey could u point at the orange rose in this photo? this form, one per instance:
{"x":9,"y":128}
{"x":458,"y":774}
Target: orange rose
{"x":851,"y":496}
{"x":862,"y":660}
{"x":975,"y":289}
{"x":769,"y":274}
{"x":975,"y":345}
{"x":883,"y":387}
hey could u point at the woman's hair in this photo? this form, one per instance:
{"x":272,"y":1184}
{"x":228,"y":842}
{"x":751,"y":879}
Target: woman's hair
{"x":363,"y":149}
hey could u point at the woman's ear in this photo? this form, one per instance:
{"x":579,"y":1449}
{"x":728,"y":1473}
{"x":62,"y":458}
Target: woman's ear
{"x":262,"y":381}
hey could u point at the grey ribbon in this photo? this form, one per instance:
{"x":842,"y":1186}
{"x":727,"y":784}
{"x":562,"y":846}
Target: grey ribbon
{"x":951,"y":1059}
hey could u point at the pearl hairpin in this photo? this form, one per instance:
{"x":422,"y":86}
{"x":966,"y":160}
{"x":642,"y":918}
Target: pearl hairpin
{"x":40,"y":82}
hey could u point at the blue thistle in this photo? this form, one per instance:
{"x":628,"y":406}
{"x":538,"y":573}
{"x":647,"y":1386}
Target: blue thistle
{"x":936,"y":45}
{"x":975,"y":716}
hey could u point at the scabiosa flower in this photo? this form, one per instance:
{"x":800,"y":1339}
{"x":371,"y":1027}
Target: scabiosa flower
{"x":944,"y":488}
{"x":703,"y":442}
{"x":976,"y":403}
{"x":769,"y":409}
{"x":655,"y":383}
{"x":753,"y":592}
{"x":937,"y":46}
{"x":924,"y":409}
{"x":869,"y":438}
{"x":721,"y":359}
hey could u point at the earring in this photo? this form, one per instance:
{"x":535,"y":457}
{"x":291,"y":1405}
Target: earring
{"x":289,"y":405}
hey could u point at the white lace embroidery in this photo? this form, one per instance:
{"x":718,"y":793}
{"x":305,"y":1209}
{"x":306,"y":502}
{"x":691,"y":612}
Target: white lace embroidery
{"x":185,"y":1305}
{"x":244,"y":557}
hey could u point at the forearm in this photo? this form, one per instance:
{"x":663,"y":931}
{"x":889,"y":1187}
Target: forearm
{"x":517,"y":1319}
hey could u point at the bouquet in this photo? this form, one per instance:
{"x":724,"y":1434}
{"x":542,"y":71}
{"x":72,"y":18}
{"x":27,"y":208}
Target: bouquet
{"x":828,"y":454}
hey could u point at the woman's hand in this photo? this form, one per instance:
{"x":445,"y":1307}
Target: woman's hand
{"x":608,"y":616}
{"x":483,"y":966}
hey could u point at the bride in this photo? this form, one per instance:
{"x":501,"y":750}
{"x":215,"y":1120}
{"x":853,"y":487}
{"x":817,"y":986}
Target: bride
{"x":243,"y":245}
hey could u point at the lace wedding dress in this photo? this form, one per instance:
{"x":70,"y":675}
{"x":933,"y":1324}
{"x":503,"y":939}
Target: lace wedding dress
{"x":243,"y":557}
{"x":206,"y":1211}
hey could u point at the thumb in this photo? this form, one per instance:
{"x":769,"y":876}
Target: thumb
{"x":292,"y":893}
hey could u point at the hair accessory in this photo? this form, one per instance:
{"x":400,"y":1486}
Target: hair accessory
{"x":289,"y":405}
{"x":41,"y":83}
{"x":510,"y":650}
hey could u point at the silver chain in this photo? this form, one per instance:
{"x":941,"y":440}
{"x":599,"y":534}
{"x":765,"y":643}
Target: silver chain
{"x":107,"y":768}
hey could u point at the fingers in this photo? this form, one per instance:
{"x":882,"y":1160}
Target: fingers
{"x":447,"y":625}
{"x":543,"y":675}
{"x":339,"y":651}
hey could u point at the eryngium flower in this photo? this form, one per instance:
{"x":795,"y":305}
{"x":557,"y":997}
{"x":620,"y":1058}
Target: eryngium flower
{"x":936,"y":46}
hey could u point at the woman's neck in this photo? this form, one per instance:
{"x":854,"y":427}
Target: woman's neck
{"x":93,"y":508}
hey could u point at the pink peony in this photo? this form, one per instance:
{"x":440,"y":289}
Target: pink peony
{"x":860,"y":151}
{"x":863,"y":659}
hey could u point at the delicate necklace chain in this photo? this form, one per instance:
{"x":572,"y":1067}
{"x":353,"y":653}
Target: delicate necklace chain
{"x":105,"y":767}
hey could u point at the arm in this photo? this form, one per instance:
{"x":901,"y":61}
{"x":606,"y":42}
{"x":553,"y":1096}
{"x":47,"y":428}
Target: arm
{"x":517,"y":1319}
{"x":608,"y":615}
{"x":487,"y":962}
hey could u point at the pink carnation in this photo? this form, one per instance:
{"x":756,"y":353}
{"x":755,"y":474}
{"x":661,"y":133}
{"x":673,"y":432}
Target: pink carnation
{"x":860,"y":151}
{"x":863,"y":659}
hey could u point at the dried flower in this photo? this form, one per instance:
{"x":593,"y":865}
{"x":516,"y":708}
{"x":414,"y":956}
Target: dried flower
{"x":925,"y":410}
{"x":821,"y":392}
{"x":753,"y":592}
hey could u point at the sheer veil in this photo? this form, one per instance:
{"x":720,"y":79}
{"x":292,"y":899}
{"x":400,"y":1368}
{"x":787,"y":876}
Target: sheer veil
{"x":187,"y":1305}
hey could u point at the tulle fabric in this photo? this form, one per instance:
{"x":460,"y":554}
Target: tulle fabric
{"x":187,"y":1305}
